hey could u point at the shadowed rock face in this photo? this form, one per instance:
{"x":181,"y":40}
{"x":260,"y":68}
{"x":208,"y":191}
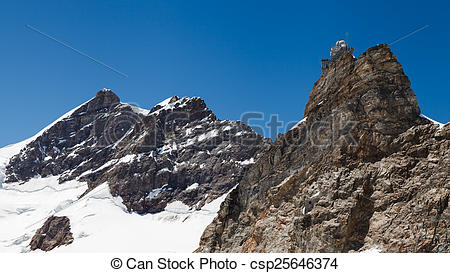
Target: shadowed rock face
{"x":363,"y":171}
{"x":54,"y":233}
{"x":178,"y":150}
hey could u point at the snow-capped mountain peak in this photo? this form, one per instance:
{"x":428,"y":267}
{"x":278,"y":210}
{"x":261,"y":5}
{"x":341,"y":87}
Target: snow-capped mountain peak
{"x":176,"y":155}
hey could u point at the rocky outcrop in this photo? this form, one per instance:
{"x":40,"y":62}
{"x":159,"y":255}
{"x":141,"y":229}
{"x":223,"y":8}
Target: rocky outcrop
{"x":364,"y":170}
{"x":178,"y":150}
{"x":54,"y":233}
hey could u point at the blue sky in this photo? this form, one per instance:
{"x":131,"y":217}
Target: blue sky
{"x":238,"y":55}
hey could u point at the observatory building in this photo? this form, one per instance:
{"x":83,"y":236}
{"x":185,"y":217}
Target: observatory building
{"x":335,"y":52}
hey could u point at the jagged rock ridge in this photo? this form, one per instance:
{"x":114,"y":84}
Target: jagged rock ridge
{"x":363,"y":170}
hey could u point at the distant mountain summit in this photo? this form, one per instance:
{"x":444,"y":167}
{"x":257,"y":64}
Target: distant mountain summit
{"x":177,"y":155}
{"x":364,"y":170}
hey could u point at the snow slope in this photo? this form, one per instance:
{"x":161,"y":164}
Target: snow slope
{"x":24,"y":208}
{"x":99,"y":221}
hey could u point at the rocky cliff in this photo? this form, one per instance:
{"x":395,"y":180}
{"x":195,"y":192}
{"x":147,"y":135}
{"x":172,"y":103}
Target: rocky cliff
{"x":362,"y":171}
{"x":55,"y":232}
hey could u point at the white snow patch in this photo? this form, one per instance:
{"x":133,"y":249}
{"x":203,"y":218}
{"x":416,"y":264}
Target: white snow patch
{"x":168,"y":148}
{"x":138,"y":110}
{"x":163,"y":170}
{"x":192,"y":187}
{"x":208,"y":135}
{"x":123,"y":137}
{"x":177,"y":207}
{"x":298,"y":123}
{"x":286,"y":180}
{"x":246,"y":162}
{"x":189,"y":142}
{"x":156,"y":192}
{"x":374,"y":249}
{"x":178,"y":165}
{"x":167,"y":105}
{"x":127,"y":159}
{"x":441,"y":125}
{"x":165,"y":102}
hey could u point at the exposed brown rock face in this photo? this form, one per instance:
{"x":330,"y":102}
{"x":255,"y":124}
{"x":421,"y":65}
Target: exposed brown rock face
{"x":363,"y":171}
{"x":149,"y":158}
{"x":54,"y":233}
